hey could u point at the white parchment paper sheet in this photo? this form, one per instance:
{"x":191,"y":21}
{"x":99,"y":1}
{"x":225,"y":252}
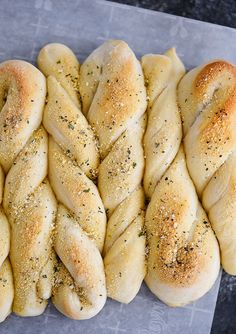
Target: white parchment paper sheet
{"x":25,"y":26}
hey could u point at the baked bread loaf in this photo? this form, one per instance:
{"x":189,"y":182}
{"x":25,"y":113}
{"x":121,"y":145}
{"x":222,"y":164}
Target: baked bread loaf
{"x":6,"y":278}
{"x":79,"y":291}
{"x":6,"y":289}
{"x":207,"y":100}
{"x":164,"y":132}
{"x":114,"y":101}
{"x":28,"y":200}
{"x":183,"y":255}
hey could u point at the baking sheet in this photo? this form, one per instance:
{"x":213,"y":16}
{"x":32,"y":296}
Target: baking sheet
{"x":25,"y":26}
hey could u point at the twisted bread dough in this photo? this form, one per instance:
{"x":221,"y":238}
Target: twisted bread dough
{"x":28,"y":200}
{"x":80,"y":291}
{"x":6,"y":278}
{"x":183,"y":258}
{"x":164,"y":133}
{"x":207,"y":99}
{"x":6,"y":289}
{"x":114,"y":101}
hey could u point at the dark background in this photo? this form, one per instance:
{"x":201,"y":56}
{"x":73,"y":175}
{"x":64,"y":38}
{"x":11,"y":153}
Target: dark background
{"x":223,"y":13}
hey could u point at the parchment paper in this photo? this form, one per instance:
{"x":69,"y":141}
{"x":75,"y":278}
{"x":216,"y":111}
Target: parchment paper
{"x":25,"y":26}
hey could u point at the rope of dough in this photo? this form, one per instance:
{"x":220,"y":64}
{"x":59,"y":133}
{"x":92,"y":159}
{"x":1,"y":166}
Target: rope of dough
{"x":80,"y":291}
{"x":6,"y":278}
{"x":207,"y":99}
{"x":114,"y":101}
{"x":183,"y":256}
{"x":28,"y":200}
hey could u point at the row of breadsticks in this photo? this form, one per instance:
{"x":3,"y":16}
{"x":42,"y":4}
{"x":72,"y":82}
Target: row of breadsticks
{"x":113,"y":172}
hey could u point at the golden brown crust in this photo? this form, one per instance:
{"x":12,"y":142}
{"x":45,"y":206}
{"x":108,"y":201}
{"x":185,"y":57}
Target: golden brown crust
{"x":182,"y":249}
{"x":22,"y":96}
{"x":178,"y":261}
{"x":6,"y":289}
{"x":120,"y":97}
{"x":6,"y":277}
{"x":30,"y":206}
{"x":114,"y":101}
{"x":27,"y":201}
{"x":207,"y":98}
{"x":79,"y":291}
{"x":207,"y":101}
{"x":181,"y":244}
{"x":216,"y":134}
{"x":210,"y":73}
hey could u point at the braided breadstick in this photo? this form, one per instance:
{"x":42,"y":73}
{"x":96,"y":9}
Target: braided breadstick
{"x":80,"y":291}
{"x":114,"y":100}
{"x":183,"y":259}
{"x":6,"y":279}
{"x":207,"y":99}
{"x":163,"y":134}
{"x":28,"y":200}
